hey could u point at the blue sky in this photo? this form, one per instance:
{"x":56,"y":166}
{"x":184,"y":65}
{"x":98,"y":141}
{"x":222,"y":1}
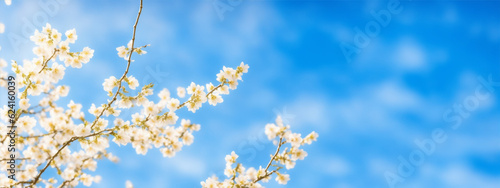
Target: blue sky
{"x":406,"y":84}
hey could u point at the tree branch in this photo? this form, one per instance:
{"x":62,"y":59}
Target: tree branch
{"x":126,"y":70}
{"x":47,"y":61}
{"x":102,"y":112}
{"x":271,"y":161}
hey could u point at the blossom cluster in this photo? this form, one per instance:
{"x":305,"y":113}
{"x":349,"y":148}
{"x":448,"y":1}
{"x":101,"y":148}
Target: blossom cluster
{"x":68,"y":139}
{"x":36,"y":74}
{"x":46,"y":129}
{"x":239,"y":176}
{"x":55,"y":125}
{"x":124,"y":52}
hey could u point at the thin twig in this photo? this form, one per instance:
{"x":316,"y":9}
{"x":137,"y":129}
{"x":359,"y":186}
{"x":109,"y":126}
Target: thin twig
{"x":102,"y":112}
{"x":271,"y":161}
{"x":126,"y":70}
{"x":275,"y":154}
{"x":190,"y":99}
{"x":47,"y":61}
{"x":25,"y":92}
{"x":60,"y":149}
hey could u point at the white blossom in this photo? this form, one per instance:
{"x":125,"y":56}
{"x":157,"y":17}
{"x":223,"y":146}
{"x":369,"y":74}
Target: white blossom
{"x":61,"y":134}
{"x":230,"y":159}
{"x":2,"y":27}
{"x":181,"y":92}
{"x":128,"y":184}
{"x":110,"y":83}
{"x":71,"y":36}
{"x":173,"y":104}
{"x":239,"y":176}
{"x":24,"y":104}
{"x":282,"y":178}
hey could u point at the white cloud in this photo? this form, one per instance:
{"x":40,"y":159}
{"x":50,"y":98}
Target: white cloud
{"x":376,"y":106}
{"x":458,"y":176}
{"x":393,"y":95}
{"x":405,"y":55}
{"x":188,"y":165}
{"x":310,"y":111}
{"x":409,"y":55}
{"x":337,"y":166}
{"x":246,"y":28}
{"x":339,"y":32}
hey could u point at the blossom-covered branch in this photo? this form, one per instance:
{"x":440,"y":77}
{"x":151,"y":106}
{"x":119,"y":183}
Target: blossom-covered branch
{"x":46,"y":130}
{"x":238,"y":176}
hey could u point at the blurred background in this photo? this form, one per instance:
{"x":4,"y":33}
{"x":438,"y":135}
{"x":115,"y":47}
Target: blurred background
{"x":402,"y":93}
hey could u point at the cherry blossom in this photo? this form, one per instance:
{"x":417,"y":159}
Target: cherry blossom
{"x":239,"y":176}
{"x":47,"y":126}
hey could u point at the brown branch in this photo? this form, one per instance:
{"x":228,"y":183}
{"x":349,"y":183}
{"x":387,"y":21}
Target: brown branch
{"x":275,"y":154}
{"x":267,"y":175}
{"x":47,"y":61}
{"x":67,"y":181}
{"x":126,"y":70}
{"x":67,"y":143}
{"x":102,"y":112}
{"x":79,"y":168}
{"x":191,"y":98}
{"x":25,"y":92}
{"x":271,"y":161}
